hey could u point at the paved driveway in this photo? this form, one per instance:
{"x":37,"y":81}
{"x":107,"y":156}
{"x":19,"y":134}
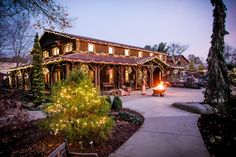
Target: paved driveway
{"x":167,"y":131}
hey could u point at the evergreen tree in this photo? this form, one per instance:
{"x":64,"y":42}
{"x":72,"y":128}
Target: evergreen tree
{"x":37,"y":87}
{"x":191,"y":67}
{"x":218,"y":87}
{"x":201,"y":68}
{"x":78,"y":111}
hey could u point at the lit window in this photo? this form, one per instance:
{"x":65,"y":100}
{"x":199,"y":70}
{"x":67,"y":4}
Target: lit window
{"x":90,"y":47}
{"x":45,"y":54}
{"x":151,"y":54}
{"x":55,"y":51}
{"x":126,"y":52}
{"x":110,"y":51}
{"x":140,"y":54}
{"x":68,"y":47}
{"x":160,"y":56}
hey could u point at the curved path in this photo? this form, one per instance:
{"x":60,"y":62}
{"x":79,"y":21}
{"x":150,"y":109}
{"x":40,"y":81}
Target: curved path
{"x":167,"y":131}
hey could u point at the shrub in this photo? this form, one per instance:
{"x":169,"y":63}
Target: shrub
{"x":117,"y":103}
{"x":78,"y":111}
{"x":129,"y":117}
{"x":108,"y":99}
{"x":12,"y":114}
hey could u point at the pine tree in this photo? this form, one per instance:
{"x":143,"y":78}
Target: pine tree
{"x":201,"y":68}
{"x":37,"y":87}
{"x":78,"y":111}
{"x":191,"y":67}
{"x":218,"y":87}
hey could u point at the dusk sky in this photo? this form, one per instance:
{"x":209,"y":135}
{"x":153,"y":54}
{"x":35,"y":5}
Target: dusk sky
{"x":149,"y":22}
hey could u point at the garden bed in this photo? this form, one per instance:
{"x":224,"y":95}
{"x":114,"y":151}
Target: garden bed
{"x":219,"y":134}
{"x":30,"y":140}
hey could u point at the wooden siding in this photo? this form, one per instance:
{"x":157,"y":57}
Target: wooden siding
{"x":133,"y":53}
{"x":99,"y":48}
{"x":119,"y":51}
{"x":83,"y":46}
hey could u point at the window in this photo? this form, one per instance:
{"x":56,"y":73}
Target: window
{"x":126,"y":52}
{"x":45,"y":54}
{"x":160,"y":56}
{"x":110,"y":50}
{"x":68,"y":47}
{"x":55,"y":51}
{"x":151,"y":54}
{"x":90,"y":47}
{"x":140,"y":54}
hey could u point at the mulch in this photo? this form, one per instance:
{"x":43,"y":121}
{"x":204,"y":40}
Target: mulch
{"x":31,"y":140}
{"x":219,"y":134}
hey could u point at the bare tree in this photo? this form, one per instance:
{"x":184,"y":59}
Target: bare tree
{"x":20,"y":38}
{"x":230,"y":54}
{"x":176,"y":49}
{"x":43,"y":13}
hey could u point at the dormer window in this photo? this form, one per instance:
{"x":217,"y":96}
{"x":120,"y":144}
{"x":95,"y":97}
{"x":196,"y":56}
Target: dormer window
{"x":140,"y":54}
{"x":151,"y":54}
{"x":90,"y":47}
{"x":110,"y":50}
{"x":68,"y":47}
{"x":126,"y":52}
{"x":45,"y":54}
{"x":55,"y":51}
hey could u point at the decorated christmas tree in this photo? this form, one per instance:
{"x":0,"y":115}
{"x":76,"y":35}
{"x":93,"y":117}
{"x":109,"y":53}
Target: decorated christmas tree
{"x":191,"y":67}
{"x":37,"y":87}
{"x":78,"y":111}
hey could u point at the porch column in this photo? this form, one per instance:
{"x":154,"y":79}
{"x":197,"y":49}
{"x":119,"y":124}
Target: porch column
{"x":96,"y":76}
{"x":151,"y":70}
{"x":51,"y":67}
{"x":23,"y":79}
{"x":136,"y":77}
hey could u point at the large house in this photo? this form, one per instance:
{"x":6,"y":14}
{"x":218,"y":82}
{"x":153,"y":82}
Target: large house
{"x":108,"y":64}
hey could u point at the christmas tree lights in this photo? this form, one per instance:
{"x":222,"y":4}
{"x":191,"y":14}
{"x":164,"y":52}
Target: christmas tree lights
{"x":78,"y":110}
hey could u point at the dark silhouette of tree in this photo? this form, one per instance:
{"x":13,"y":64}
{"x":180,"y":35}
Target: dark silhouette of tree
{"x":20,"y":40}
{"x":42,"y":13}
{"x":37,"y":72}
{"x":218,"y":86}
{"x":161,"y":47}
{"x":195,"y":59}
{"x":230,"y":55}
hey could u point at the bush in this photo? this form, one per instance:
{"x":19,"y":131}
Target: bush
{"x":108,"y":99}
{"x":78,"y":111}
{"x":12,"y":114}
{"x":129,"y":117}
{"x":117,"y":103}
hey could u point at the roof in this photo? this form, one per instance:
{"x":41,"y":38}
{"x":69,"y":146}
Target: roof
{"x":93,"y":40}
{"x":102,"y":59}
{"x":98,"y":59}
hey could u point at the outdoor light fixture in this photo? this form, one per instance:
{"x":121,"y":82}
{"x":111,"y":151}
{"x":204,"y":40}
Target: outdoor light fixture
{"x":159,"y":89}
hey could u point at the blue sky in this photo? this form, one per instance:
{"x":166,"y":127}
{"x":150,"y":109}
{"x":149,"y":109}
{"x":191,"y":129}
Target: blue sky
{"x":142,"y":22}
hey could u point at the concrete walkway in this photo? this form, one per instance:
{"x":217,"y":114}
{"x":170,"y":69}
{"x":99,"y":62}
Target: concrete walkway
{"x":167,"y":131}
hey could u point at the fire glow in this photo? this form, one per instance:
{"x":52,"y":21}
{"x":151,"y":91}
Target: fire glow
{"x":159,"y":89}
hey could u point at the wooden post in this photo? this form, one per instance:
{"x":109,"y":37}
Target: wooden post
{"x":23,"y":79}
